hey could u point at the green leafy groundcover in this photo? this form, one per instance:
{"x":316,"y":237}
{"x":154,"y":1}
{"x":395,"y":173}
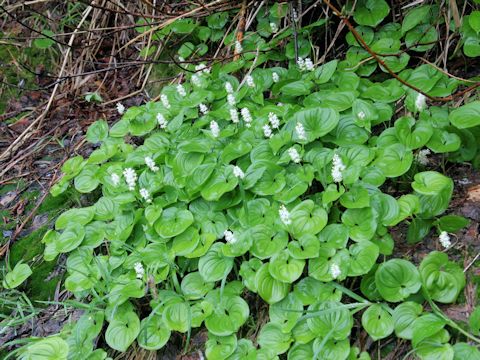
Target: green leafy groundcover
{"x":269,"y":184}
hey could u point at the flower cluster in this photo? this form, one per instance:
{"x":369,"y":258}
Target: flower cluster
{"x":238,"y":172}
{"x":273,"y":27}
{"x":275,"y":77}
{"x":214,"y":128}
{"x":120,"y":108}
{"x":234,"y":115}
{"x":229,"y":237}
{"x":422,"y":156}
{"x":305,"y":64}
{"x":250,"y":81}
{"x":151,"y":164}
{"x":130,"y":177}
{"x":444,"y":239}
{"x":161,"y":121}
{"x":300,"y":131}
{"x":267,"y":131}
{"x":284,"y":215}
{"x":145,"y":194}
{"x":337,"y":168}
{"x":273,"y":119}
{"x":335,"y":271}
{"x":203,"y":108}
{"x":165,"y":102}
{"x":238,"y":47}
{"x":115,"y":179}
{"x":181,"y":90}
{"x":139,"y":270}
{"x":420,"y":102}
{"x":294,"y":155}
{"x":247,"y":117}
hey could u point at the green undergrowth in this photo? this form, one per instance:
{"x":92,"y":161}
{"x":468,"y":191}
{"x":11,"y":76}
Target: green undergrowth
{"x":276,"y":179}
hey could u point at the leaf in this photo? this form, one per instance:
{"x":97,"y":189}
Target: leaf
{"x":443,"y":279}
{"x":177,"y":316}
{"x":229,"y":314}
{"x":317,"y":122}
{"x":45,"y":42}
{"x":270,"y":289}
{"x":466,"y":116}
{"x":418,"y":229}
{"x":122,"y":329}
{"x":443,"y":141}
{"x":325,"y":72}
{"x":415,"y":16}
{"x":285,"y":268}
{"x":297,"y":88}
{"x":50,"y":348}
{"x":370,"y":12}
{"x":421,"y":38}
{"x":97,"y":132}
{"x":80,"y":216}
{"x":394,"y":160}
{"x":377,"y":322}
{"x":287,"y":312}
{"x":70,"y":238}
{"x":220,"y":347}
{"x":403,"y":317}
{"x":330,"y":318}
{"x":396,"y":279}
{"x":271,"y":337}
{"x":87,"y":180}
{"x":413,"y":134}
{"x":307,"y":219}
{"x":153,"y":333}
{"x":173,"y":222}
{"x":474,"y":20}
{"x":221,"y":182}
{"x":214,"y":266}
{"x":361,"y":223}
{"x":18,"y":275}
{"x":194,"y":287}
{"x":452,"y":223}
{"x":363,"y":256}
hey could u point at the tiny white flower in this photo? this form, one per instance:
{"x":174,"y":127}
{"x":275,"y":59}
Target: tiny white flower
{"x":196,"y":80}
{"x":247,"y":117}
{"x":202,"y":68}
{"x":300,"y":130}
{"x":234,"y":115}
{"x":444,"y":239}
{"x":165,"y":102}
{"x":151,"y":164}
{"x":361,"y":115}
{"x":214,"y":128}
{"x":161,"y":121}
{"x":273,"y":27}
{"x":238,"y":172}
{"x":294,"y":15}
{"x":422,"y":156}
{"x":273,"y":119}
{"x":294,"y":155}
{"x":228,"y":87}
{"x":229,"y":237}
{"x":231,"y":100}
{"x":337,"y":168}
{"x":267,"y":131}
{"x":120,"y":108}
{"x":420,"y":102}
{"x":115,"y":179}
{"x":181,"y":59}
{"x":238,"y":47}
{"x":203,"y":109}
{"x":280,"y":104}
{"x":309,"y":64}
{"x":335,"y":270}
{"x":130,"y":178}
{"x":275,"y":77}
{"x":181,"y":90}
{"x":301,"y":64}
{"x":250,"y":81}
{"x":284,"y":215}
{"x":139,"y":270}
{"x":145,"y":195}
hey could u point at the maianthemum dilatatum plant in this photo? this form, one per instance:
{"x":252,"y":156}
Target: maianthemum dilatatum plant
{"x":269,"y":184}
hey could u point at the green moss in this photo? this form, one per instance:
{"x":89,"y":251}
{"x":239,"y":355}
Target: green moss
{"x":28,"y":247}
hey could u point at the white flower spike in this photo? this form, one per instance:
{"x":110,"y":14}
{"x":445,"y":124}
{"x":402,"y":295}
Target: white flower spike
{"x":181,"y":90}
{"x":444,"y":239}
{"x":229,"y":87}
{"x":229,"y":237}
{"x":238,"y":172}
{"x":420,"y":102}
{"x":294,"y":155}
{"x":145,"y":195}
{"x":238,"y":47}
{"x":335,"y":271}
{"x":247,"y":117}
{"x":130,"y":178}
{"x":267,"y":131}
{"x":120,"y":108}
{"x":337,"y":168}
{"x":231,"y":100}
{"x":115,"y":179}
{"x":214,"y":128}
{"x":284,"y":215}
{"x":275,"y":77}
{"x":234,"y":115}
{"x":309,"y":64}
{"x":139,"y":270}
{"x":151,"y":164}
{"x":165,"y":102}
{"x":161,"y":121}
{"x":196,"y":80}
{"x":203,"y":109}
{"x":422,"y":156}
{"x":273,"y":119}
{"x":250,"y":81}
{"x":273,"y":28}
{"x":300,"y":130}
